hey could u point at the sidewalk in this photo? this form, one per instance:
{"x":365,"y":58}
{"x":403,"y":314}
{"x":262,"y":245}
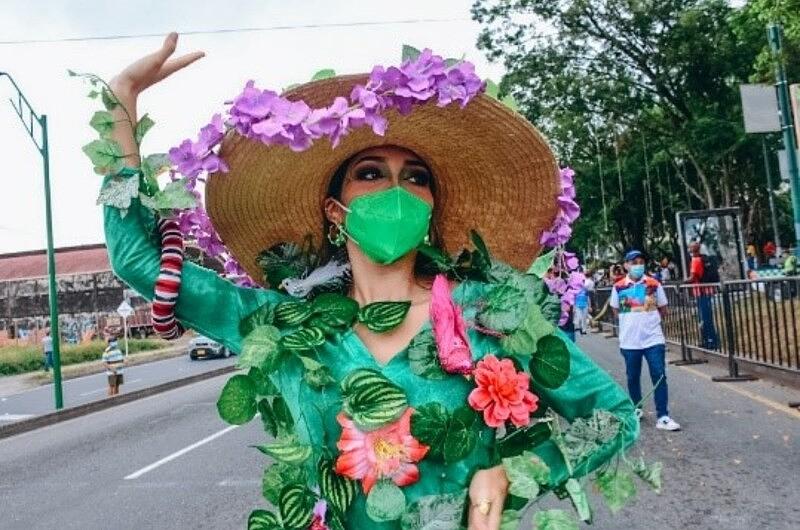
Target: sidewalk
{"x":733,"y":466}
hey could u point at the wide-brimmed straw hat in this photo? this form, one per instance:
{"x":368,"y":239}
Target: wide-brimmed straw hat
{"x":494,"y":173}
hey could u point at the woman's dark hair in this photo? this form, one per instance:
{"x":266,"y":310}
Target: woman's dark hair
{"x":424,"y":267}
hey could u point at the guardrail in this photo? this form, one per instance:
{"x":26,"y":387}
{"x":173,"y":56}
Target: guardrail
{"x":751,"y":321}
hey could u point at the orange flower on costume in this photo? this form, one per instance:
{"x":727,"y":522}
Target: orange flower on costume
{"x":502,"y":393}
{"x":388,"y":452}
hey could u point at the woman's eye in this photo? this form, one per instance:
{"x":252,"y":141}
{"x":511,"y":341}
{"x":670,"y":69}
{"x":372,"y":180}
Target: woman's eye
{"x":368,"y":173}
{"x":420,"y":177}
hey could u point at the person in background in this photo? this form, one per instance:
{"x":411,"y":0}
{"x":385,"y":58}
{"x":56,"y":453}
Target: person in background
{"x":582,"y":310}
{"x":639,"y":303}
{"x":47,"y":349}
{"x":114,"y":360}
{"x":617,"y":273}
{"x":703,"y":269}
{"x":769,"y":253}
{"x":665,"y":271}
{"x":752,"y":256}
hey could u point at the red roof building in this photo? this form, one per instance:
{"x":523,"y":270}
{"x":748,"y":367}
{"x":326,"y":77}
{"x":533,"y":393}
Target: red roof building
{"x":83,"y":259}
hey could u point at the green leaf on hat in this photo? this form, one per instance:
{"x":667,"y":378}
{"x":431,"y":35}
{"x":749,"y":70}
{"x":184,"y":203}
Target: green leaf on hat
{"x":263,"y":520}
{"x":262,"y":316}
{"x":102,"y":122}
{"x":409,"y":53}
{"x":327,"y":73}
{"x":381,"y":317}
{"x":435,"y":512}
{"x":174,"y":196}
{"x":277,"y":476}
{"x":371,"y":399}
{"x":260,"y":349}
{"x":554,"y":520}
{"x":492,"y":89}
{"x":144,"y":124}
{"x":509,"y":101}
{"x":525,"y":339}
{"x":579,"y":500}
{"x":118,"y":192}
{"x":287,"y":450}
{"x":542,"y":264}
{"x":105,"y":155}
{"x":504,"y":310}
{"x":237,"y":402}
{"x":550,"y":364}
{"x":385,"y":502}
{"x":617,"y":487}
{"x":423,"y":358}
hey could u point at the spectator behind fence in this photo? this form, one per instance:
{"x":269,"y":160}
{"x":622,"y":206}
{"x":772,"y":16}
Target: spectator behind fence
{"x":704,"y":269}
{"x":47,"y":349}
{"x":639,"y":302}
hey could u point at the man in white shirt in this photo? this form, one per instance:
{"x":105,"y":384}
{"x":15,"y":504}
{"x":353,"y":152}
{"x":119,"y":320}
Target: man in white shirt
{"x":639,"y":302}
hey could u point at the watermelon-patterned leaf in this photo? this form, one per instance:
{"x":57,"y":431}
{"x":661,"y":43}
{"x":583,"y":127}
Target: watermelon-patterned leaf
{"x":338,"y":310}
{"x":263,"y":520}
{"x":278,"y":475}
{"x":296,"y":504}
{"x":337,"y":489}
{"x":429,"y":425}
{"x":381,"y":317}
{"x":293,"y":313}
{"x":303,"y":339}
{"x":287,"y":450}
{"x":371,"y":399}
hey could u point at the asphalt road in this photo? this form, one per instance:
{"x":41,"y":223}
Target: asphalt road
{"x":39,"y":400}
{"x":168,"y":461}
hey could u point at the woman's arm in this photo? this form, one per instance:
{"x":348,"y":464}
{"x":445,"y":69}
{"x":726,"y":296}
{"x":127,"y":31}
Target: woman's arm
{"x":207,"y":303}
{"x":588,"y":388}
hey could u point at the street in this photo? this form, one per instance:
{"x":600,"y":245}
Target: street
{"x":81,"y":390}
{"x":168,"y":461}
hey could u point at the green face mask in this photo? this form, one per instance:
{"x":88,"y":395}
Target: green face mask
{"x":387,"y":225}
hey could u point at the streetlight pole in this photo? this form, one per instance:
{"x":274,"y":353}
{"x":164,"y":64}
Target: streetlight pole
{"x":774,"y":36}
{"x":43,"y":148}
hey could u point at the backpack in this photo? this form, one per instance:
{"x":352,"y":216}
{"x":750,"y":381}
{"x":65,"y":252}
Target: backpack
{"x":710,"y":269}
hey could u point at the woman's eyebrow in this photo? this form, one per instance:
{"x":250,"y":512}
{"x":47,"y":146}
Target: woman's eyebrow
{"x":371,"y":159}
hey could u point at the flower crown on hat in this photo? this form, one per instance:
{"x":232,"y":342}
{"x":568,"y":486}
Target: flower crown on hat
{"x":267,"y":117}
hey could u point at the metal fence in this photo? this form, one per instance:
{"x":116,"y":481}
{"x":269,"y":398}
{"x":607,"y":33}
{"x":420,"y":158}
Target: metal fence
{"x":750,"y":321}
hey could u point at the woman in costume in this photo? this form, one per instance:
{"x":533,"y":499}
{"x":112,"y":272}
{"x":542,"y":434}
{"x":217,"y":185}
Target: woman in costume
{"x":398,"y":387}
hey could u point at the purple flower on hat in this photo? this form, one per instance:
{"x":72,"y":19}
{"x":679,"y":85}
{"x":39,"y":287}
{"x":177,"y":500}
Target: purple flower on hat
{"x":212,"y":134}
{"x":187,"y":158}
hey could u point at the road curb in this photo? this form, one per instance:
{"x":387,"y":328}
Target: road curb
{"x":51,"y":418}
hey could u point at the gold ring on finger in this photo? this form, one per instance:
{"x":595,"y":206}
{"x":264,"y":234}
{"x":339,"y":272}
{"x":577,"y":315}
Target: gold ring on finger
{"x":483,"y":506}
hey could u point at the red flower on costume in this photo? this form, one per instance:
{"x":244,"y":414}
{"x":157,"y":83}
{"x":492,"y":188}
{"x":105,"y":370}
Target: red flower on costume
{"x":388,"y":452}
{"x":502,"y":393}
{"x":449,"y":330}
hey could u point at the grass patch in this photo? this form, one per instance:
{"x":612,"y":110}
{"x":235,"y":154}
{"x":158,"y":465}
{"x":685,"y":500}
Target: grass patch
{"x":29,"y":358}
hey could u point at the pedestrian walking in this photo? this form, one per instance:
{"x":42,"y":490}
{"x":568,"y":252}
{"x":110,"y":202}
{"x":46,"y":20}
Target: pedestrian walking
{"x":639,"y":303}
{"x":114,"y":360}
{"x":582,"y":309}
{"x":47,"y":350}
{"x":704,"y":269}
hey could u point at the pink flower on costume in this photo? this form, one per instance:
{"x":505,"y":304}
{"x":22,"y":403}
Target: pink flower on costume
{"x":449,"y":330}
{"x":318,"y":521}
{"x":502,"y":393}
{"x":388,"y":452}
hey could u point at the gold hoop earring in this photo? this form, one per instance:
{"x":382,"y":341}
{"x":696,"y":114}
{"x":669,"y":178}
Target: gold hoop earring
{"x":338,"y":239}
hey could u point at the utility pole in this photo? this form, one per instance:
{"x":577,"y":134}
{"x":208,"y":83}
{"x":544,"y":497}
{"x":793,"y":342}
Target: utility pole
{"x":42,"y":146}
{"x":774,"y":36}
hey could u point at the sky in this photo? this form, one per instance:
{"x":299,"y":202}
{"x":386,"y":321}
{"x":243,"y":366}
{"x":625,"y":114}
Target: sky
{"x":184,"y":102}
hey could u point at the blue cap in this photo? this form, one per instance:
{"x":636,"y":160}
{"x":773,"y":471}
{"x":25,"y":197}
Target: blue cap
{"x":633,"y":254}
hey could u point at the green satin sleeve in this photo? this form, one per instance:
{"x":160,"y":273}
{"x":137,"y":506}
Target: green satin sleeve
{"x":587,"y":388}
{"x":207,"y":303}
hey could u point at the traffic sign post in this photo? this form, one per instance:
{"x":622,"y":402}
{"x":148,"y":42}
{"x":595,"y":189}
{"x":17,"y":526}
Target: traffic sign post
{"x":125,"y":310}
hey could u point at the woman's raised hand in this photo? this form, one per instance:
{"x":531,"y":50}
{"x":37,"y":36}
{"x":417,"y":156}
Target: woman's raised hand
{"x":152,"y":68}
{"x":135,"y":78}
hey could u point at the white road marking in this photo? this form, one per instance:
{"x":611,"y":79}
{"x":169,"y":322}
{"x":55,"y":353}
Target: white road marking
{"x":15,"y":417}
{"x":176,"y":454}
{"x":89,"y":393}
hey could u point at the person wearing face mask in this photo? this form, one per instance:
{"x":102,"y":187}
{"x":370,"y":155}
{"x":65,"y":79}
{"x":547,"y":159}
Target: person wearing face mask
{"x":374,"y":357}
{"x":639,"y":303}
